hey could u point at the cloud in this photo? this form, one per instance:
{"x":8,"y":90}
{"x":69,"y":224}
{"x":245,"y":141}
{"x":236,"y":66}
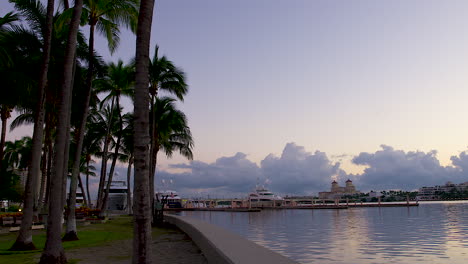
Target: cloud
{"x":298,"y":171}
{"x":396,"y":169}
{"x":294,"y":172}
{"x":235,"y":175}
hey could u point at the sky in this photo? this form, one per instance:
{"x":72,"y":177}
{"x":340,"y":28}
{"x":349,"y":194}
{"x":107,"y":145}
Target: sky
{"x":298,"y":93}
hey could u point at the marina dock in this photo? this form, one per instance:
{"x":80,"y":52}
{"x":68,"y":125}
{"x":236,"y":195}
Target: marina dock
{"x":238,"y":205}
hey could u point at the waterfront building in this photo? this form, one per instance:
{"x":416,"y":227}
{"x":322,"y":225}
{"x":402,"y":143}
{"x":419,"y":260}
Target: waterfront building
{"x":434,"y":192}
{"x":337,"y":192}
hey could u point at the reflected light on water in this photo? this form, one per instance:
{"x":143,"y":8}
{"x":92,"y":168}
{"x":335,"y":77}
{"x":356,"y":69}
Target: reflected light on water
{"x":432,"y":232}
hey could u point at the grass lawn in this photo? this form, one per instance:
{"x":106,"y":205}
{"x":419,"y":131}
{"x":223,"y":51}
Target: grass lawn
{"x":119,"y":228}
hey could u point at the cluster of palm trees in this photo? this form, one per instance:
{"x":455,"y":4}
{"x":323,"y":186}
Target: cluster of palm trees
{"x":57,"y":81}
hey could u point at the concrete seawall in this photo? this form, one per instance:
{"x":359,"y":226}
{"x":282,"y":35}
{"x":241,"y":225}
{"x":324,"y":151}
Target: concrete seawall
{"x":223,"y":247}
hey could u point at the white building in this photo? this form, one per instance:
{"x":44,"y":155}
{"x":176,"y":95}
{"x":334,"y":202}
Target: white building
{"x":433,"y":193}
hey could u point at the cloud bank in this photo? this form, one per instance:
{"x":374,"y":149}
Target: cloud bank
{"x":299,"y":172}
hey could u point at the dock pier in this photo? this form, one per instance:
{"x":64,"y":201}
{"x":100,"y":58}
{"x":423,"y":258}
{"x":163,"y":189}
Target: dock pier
{"x":244,"y":205}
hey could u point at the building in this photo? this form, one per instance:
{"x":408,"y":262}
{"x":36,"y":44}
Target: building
{"x":337,"y":192}
{"x":434,"y":192}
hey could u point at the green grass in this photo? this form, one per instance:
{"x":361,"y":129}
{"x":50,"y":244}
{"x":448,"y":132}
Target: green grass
{"x":94,"y":235}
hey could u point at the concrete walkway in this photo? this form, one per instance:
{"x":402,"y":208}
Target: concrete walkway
{"x":172,"y":248}
{"x":220,"y":246}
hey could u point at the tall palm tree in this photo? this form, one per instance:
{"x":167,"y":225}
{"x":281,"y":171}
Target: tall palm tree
{"x":24,"y":239}
{"x":118,"y":82}
{"x":141,"y":199}
{"x":106,"y":16}
{"x":53,"y":251}
{"x":163,"y":75}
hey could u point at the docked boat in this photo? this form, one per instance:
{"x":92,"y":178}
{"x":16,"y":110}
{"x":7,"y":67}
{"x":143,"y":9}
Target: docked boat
{"x":117,"y":195}
{"x":173,"y":199}
{"x":262,"y":197}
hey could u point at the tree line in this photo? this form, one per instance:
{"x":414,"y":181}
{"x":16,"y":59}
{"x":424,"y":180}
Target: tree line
{"x":53,"y":77}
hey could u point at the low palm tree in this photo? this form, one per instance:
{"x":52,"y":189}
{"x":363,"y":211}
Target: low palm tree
{"x":18,"y":154}
{"x":6,"y":104}
{"x":172,"y":133}
{"x":127,"y":149}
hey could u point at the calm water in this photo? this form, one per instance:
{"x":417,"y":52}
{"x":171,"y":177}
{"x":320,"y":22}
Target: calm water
{"x":431,"y":233}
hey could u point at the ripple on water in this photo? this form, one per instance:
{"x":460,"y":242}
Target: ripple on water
{"x":430,"y":233}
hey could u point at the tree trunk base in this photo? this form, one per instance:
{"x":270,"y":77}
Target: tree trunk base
{"x":21,"y":246}
{"x":70,"y":236}
{"x":49,"y":259}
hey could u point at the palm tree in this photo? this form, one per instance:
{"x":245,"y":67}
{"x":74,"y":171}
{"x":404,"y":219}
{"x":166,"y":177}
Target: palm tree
{"x":53,"y":251}
{"x":141,"y":200}
{"x":91,"y":147}
{"x":127,"y":149}
{"x":106,"y":16}
{"x":18,"y":154}
{"x":172,"y":132}
{"x":24,"y":239}
{"x":163,"y":75}
{"x":118,"y":82}
{"x":89,"y":172}
{"x":5,"y":61}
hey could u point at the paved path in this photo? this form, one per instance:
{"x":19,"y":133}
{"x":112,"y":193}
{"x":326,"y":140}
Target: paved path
{"x":172,"y":248}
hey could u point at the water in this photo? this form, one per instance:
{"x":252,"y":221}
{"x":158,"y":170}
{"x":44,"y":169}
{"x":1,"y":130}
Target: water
{"x":434,"y":232}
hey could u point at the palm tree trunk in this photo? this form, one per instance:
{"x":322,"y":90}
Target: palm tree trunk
{"x":129,"y":193}
{"x":43,"y":178}
{"x":105,"y":150}
{"x":53,"y":251}
{"x":70,"y":234}
{"x":49,"y":172}
{"x":153,"y":140}
{"x":66,"y":156}
{"x":87,"y":182}
{"x":114,"y":160}
{"x":154,"y":158}
{"x":84,"y":117}
{"x":4,"y":113}
{"x":24,"y":239}
{"x":141,"y":202}
{"x":80,"y":184}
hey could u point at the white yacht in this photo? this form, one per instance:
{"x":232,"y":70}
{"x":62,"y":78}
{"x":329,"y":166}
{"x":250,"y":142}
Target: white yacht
{"x":117,"y":195}
{"x":173,"y":199}
{"x":263,"y":197}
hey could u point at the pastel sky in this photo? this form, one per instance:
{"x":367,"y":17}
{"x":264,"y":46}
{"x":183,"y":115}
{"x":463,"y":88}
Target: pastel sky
{"x":342,"y":77}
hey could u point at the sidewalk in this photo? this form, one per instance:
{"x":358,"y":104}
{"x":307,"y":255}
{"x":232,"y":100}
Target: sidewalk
{"x":172,"y":248}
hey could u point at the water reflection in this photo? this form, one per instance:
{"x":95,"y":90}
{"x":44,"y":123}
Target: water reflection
{"x":432,"y":232}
